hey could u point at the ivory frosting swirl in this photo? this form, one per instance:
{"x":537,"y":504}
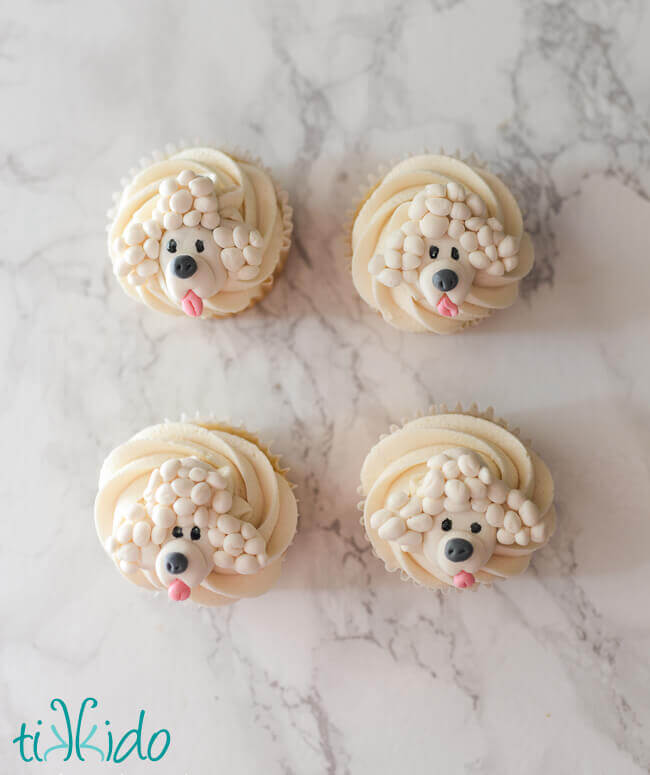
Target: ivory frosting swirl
{"x":199,"y":509}
{"x":455,"y":499}
{"x":439,"y":244}
{"x":199,"y":232}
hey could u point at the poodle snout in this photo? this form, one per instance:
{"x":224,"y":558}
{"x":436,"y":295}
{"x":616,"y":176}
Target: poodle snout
{"x":445,"y":280}
{"x":458,"y":550}
{"x":176,"y":563}
{"x":184,"y":266}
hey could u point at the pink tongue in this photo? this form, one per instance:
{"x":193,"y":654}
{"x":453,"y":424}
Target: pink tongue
{"x":178,"y":590}
{"x":192,"y":304}
{"x":463,"y":580}
{"x":447,"y":307}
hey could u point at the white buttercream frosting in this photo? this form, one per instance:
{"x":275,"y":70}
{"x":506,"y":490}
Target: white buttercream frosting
{"x":439,"y":244}
{"x":456,"y":498}
{"x":199,"y":232}
{"x":199,"y":509}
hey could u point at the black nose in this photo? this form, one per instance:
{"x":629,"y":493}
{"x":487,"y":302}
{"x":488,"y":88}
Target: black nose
{"x":184,"y":266}
{"x":176,"y":563}
{"x":458,"y":550}
{"x":445,"y":279}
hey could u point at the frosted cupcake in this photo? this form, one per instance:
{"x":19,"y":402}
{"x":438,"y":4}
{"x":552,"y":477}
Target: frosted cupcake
{"x":438,"y":245}
{"x":456,"y":499}
{"x":201,"y":510}
{"x":199,"y":232}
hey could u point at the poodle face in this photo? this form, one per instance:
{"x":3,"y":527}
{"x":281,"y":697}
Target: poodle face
{"x":446,"y":275}
{"x":460,"y":544}
{"x":457,"y":515}
{"x":188,"y":524}
{"x":447,"y":241}
{"x":191,"y":264}
{"x":184,"y":561}
{"x":190,"y":248}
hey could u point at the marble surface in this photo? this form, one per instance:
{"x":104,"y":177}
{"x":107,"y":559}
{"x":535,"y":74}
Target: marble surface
{"x":342,"y":668}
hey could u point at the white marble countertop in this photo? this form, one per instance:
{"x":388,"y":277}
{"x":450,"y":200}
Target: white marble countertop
{"x":342,"y":668}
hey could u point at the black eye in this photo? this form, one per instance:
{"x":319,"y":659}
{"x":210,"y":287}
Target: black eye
{"x":475,"y":527}
{"x":200,"y":247}
{"x":446,"y":525}
{"x":454,"y":254}
{"x":171,"y":246}
{"x":177,"y":532}
{"x":195,"y":533}
{"x":433,"y":251}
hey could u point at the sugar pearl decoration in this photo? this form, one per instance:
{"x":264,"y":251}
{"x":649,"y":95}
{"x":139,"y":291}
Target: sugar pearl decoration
{"x":182,"y":487}
{"x":228,"y":524}
{"x":124,"y":532}
{"x":181,"y":201}
{"x":379,"y":517}
{"x":134,"y":234}
{"x":222,"y":502}
{"x":397,"y":500}
{"x":392,"y":529}
{"x":141,"y":533}
{"x":413,"y":507}
{"x":233,"y":544}
{"x":201,"y":493}
{"x":421,"y":523}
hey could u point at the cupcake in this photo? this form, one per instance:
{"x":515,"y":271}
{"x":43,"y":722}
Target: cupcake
{"x":456,"y":499}
{"x":438,"y":244}
{"x":199,"y":509}
{"x":199,"y":232}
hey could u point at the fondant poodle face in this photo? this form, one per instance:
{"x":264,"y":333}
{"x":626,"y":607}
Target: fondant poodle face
{"x":446,"y":242}
{"x":195,"y":245}
{"x":446,"y":275}
{"x":456,"y":515}
{"x":460,"y":544}
{"x":184,"y":561}
{"x":191,"y":263}
{"x":188,"y":524}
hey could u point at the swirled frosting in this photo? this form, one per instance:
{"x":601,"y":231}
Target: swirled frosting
{"x":455,"y":499}
{"x":199,"y":232}
{"x":439,"y":244}
{"x":198,"y":509}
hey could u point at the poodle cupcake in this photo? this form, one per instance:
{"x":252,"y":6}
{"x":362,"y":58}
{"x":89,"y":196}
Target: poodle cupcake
{"x":200,"y":510}
{"x":456,"y":499}
{"x":199,"y":232}
{"x":438,"y":244}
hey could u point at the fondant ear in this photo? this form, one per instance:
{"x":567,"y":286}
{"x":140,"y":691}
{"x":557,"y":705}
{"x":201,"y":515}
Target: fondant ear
{"x":131,"y":541}
{"x":241,"y":248}
{"x":138,"y":249}
{"x":404,"y":520}
{"x":516,"y":519}
{"x":239,"y":546}
{"x":401,"y":257}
